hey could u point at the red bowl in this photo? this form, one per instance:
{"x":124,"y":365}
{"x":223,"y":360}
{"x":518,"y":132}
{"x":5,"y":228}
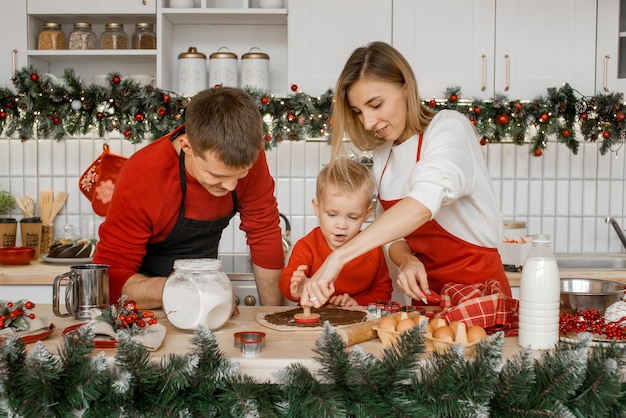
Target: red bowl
{"x":16,"y":255}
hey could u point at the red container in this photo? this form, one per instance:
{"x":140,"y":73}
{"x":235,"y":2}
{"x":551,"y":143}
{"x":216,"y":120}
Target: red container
{"x":16,"y":255}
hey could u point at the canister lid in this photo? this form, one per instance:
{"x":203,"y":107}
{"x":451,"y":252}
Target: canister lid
{"x":255,"y":55}
{"x":514,"y":224}
{"x":82,"y":25}
{"x":114,"y":26}
{"x":223,"y":54}
{"x":192,"y":52}
{"x":143,"y":25}
{"x":52,"y":25}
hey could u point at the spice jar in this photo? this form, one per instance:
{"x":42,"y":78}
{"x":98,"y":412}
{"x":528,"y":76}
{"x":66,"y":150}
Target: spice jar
{"x":223,"y":68}
{"x":255,"y":69}
{"x":191,"y":72}
{"x":82,"y":37}
{"x":114,"y":37}
{"x":52,"y":37}
{"x":144,"y":36}
{"x":198,"y":294}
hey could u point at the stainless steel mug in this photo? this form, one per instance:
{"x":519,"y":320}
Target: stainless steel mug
{"x":87,"y":287}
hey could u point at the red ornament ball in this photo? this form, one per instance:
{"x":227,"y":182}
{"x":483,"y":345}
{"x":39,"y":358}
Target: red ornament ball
{"x":139,"y":117}
{"x":99,"y":115}
{"x":34,"y":77}
{"x":454,"y":98}
{"x":291,"y":117}
{"x":116,"y":79}
{"x":566,"y":133}
{"x":473,"y":121}
{"x":538,"y":152}
{"x":518,"y":105}
{"x":127,"y":133}
{"x":217,"y":86}
{"x":267,"y":137}
{"x":166,"y":98}
{"x":477,"y":110}
{"x":265,"y":100}
{"x":432,"y":103}
{"x":584,"y":116}
{"x":56,"y":120}
{"x":606,"y":134}
{"x":502,"y":119}
{"x":162,"y":111}
{"x":294,"y":87}
{"x":544,"y":118}
{"x":3,"y":115}
{"x":621,"y":116}
{"x":483,"y":141}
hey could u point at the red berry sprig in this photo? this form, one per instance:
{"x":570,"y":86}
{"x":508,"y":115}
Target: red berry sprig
{"x":129,"y":316}
{"x":592,"y":321}
{"x":12,"y":314}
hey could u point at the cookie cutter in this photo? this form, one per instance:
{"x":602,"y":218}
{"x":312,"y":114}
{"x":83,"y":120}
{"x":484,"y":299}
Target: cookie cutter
{"x":250,"y":342}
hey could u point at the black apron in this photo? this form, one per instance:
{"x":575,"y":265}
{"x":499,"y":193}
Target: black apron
{"x":189,"y":238}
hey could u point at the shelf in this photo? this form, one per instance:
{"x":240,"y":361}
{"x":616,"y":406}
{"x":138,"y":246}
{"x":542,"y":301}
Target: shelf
{"x":198,"y":16}
{"x":64,"y":8}
{"x":134,"y":55}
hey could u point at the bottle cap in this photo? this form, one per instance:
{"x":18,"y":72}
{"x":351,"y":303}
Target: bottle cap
{"x":541,"y":238}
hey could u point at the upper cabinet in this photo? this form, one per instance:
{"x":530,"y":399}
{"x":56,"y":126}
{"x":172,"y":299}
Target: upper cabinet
{"x":611,"y":46}
{"x":323,"y":34}
{"x":13,"y":41}
{"x":517,"y":48}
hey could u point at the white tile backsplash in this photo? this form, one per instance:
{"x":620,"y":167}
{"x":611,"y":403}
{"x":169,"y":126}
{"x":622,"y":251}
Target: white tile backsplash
{"x":565,"y":195}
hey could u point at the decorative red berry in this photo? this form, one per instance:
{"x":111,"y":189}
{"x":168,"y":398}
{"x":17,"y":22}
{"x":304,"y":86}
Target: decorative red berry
{"x":483,"y":141}
{"x":139,"y":117}
{"x":267,"y":137}
{"x":34,"y":77}
{"x":606,"y":134}
{"x":166,"y":98}
{"x":294,"y":87}
{"x":116,"y":79}
{"x":31,"y":316}
{"x":538,"y":152}
{"x":29,"y":305}
{"x":131,"y":305}
{"x":265,"y":100}
{"x":99,"y":115}
{"x":9,"y":304}
{"x":584,"y":116}
{"x":502,"y":119}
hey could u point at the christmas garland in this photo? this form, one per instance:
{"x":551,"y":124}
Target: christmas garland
{"x":572,"y":380}
{"x":46,"y":107}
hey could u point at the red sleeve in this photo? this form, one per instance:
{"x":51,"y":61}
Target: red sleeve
{"x":380,"y":287}
{"x":303,"y":253}
{"x":259,"y":216}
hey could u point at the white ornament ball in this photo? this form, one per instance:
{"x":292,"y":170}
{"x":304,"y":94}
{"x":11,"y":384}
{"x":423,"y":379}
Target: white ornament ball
{"x":615,"y":312}
{"x":76,"y":104}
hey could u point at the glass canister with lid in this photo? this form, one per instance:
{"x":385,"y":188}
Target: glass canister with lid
{"x":82,"y":37}
{"x":114,"y":37}
{"x":52,"y":37}
{"x":198,"y":294}
{"x":144,"y":36}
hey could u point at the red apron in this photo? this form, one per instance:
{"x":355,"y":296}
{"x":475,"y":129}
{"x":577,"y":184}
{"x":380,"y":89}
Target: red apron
{"x":448,"y":258}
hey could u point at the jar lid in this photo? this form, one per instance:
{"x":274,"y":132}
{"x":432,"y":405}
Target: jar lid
{"x":223,"y":54}
{"x":255,"y":55}
{"x":144,"y":26}
{"x":514,"y":224}
{"x":192,"y":52}
{"x":198,"y":264}
{"x":52,"y":25}
{"x":114,"y":26}
{"x":8,"y":221}
{"x":82,"y":25}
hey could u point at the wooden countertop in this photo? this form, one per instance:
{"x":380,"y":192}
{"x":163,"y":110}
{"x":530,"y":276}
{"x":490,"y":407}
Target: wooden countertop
{"x":281,"y":348}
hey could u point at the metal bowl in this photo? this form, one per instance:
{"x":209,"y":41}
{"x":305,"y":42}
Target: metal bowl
{"x":585,"y":294}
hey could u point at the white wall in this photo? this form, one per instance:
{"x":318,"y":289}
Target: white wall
{"x":565,"y":195}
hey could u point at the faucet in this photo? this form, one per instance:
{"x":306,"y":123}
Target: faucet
{"x":618,"y":229}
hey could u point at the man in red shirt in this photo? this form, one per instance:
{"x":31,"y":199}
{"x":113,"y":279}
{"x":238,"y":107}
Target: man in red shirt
{"x":175,"y":196}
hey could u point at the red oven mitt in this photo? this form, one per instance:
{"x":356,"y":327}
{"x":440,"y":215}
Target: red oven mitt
{"x":483,"y":304}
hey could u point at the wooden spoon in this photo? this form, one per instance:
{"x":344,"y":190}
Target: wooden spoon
{"x":20,"y":205}
{"x":45,"y":205}
{"x":57,"y":205}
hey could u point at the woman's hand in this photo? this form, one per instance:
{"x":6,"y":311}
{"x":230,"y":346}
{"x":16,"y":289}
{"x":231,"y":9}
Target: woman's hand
{"x":319,"y":288}
{"x":343,"y":300}
{"x":413,"y":280}
{"x":298,"y":278}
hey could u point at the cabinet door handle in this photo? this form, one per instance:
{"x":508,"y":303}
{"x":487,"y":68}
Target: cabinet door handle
{"x":507,"y":62}
{"x":605,"y":77}
{"x":484,"y":59}
{"x":13,"y":61}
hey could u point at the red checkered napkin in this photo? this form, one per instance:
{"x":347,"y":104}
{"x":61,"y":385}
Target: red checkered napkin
{"x":483,"y":304}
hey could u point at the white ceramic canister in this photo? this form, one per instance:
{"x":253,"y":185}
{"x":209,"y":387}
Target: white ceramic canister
{"x":223,"y":68}
{"x":255,"y":69}
{"x":198,"y":294}
{"x":191,"y":72}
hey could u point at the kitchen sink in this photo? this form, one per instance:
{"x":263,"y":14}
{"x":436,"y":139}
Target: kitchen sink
{"x":591,"y":261}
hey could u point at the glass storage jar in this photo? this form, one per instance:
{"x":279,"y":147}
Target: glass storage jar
{"x":82,"y":37}
{"x":198,"y":294}
{"x":144,"y":36}
{"x":114,"y":37}
{"x":52,"y":37}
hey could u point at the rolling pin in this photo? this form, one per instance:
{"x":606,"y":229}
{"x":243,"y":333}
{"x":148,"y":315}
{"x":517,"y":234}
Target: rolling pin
{"x":358,"y":333}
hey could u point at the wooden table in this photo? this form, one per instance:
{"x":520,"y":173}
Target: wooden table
{"x":281,"y":348}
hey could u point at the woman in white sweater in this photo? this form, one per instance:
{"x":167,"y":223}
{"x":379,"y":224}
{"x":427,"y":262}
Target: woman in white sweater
{"x":437,"y":208}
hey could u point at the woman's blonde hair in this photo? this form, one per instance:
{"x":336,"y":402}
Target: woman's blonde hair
{"x":376,"y":61}
{"x":348,"y":176}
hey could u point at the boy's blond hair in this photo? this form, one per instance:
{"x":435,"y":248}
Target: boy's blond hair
{"x":348,"y":176}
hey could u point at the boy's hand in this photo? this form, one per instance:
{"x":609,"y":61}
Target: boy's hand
{"x":298,"y":278}
{"x":342,"y":300}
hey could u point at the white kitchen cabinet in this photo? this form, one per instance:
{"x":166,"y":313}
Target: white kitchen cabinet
{"x":323,"y":34}
{"x":611,"y":46}
{"x":13,"y":39}
{"x":518,"y":48}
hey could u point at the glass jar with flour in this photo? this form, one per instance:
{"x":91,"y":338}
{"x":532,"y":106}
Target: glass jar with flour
{"x":198,"y":294}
